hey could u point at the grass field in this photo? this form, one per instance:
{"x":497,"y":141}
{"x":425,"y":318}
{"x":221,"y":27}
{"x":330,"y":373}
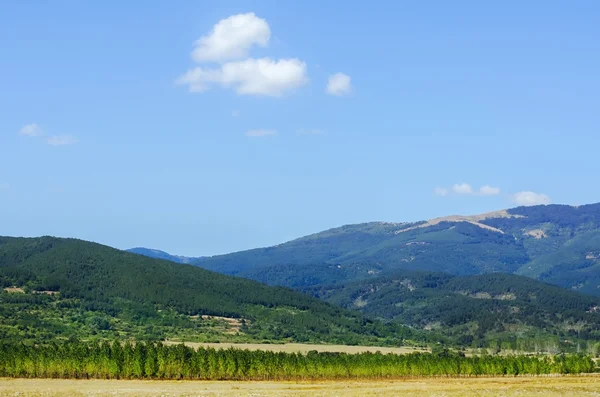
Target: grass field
{"x":303,"y":348}
{"x":547,"y":387}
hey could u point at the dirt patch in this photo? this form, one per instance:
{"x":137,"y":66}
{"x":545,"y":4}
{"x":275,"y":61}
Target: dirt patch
{"x":407,"y":284}
{"x":233,"y":324}
{"x":536,"y":233}
{"x":14,"y":290}
{"x":509,"y":296}
{"x":592,"y":255}
{"x":506,"y":297}
{"x":46,"y":292}
{"x":360,"y":302}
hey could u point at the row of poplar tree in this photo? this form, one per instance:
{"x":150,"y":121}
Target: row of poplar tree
{"x":158,"y":361}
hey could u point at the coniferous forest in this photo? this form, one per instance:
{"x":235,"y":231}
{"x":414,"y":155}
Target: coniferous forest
{"x":158,"y":361}
{"x":67,"y":288}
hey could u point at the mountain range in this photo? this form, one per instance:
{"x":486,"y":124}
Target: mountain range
{"x":557,"y":244}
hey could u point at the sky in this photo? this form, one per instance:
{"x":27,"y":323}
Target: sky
{"x":206,"y":127}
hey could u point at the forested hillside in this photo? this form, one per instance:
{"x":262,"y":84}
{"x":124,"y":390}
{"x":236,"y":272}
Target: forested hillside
{"x":497,"y":310}
{"x":559,"y":244}
{"x":55,"y":287}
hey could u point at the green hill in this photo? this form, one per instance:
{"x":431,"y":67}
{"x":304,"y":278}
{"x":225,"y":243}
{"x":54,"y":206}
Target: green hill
{"x":559,"y":244}
{"x":495,"y":309}
{"x":66,"y":288}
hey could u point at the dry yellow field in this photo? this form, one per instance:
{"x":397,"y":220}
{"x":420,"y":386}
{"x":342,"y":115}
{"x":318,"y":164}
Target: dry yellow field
{"x":505,"y":387}
{"x":303,"y":348}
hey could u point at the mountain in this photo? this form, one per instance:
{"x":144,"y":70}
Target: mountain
{"x":54,"y":287}
{"x":158,"y":254}
{"x":558,"y":244}
{"x":492,"y":309}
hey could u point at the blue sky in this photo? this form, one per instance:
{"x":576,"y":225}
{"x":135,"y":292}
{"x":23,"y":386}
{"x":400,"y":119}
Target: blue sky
{"x":428,"y":102}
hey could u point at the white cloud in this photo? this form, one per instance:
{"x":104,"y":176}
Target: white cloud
{"x":531,"y":198}
{"x":487,"y":190}
{"x":465,"y":189}
{"x":235,"y":113}
{"x":262,"y":76}
{"x":260,"y":133}
{"x":61,"y":140}
{"x":462,"y":188}
{"x":440,"y":191}
{"x":228,"y":44}
{"x":232,"y":38}
{"x":31,"y":130}
{"x":55,"y":140}
{"x":4,"y":187}
{"x":339,"y":84}
{"x":313,"y":131}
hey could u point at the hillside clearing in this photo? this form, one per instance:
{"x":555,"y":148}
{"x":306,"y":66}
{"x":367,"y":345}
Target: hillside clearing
{"x":14,"y":290}
{"x":588,"y":385}
{"x":472,"y":219}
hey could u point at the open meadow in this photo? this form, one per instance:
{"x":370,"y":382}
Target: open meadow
{"x":304,"y":347}
{"x":587,"y":385}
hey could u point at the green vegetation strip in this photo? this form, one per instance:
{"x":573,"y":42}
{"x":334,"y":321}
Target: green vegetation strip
{"x":157,"y":361}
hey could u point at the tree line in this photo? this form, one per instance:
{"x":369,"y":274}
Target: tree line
{"x":116,"y":360}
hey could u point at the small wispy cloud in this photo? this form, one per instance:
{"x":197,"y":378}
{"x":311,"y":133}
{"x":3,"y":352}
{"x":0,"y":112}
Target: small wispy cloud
{"x":528,"y":198}
{"x":34,"y":130}
{"x":465,"y":189}
{"x":487,"y":190}
{"x":261,"y":133}
{"x":31,"y":130}
{"x":440,"y":191}
{"x":525,"y":198}
{"x":462,"y":188}
{"x":61,"y":140}
{"x":339,"y":84}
